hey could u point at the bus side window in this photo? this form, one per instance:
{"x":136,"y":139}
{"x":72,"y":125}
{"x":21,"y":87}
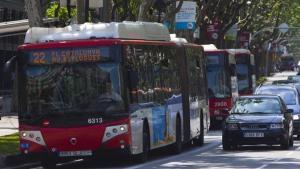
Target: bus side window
{"x":133,"y":78}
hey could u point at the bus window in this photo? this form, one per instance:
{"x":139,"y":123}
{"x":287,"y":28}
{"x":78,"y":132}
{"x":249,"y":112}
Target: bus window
{"x":218,"y":78}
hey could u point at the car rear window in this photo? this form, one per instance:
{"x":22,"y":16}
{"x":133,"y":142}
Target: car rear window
{"x":288,"y":95}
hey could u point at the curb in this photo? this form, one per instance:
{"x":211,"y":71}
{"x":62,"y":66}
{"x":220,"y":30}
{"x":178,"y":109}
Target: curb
{"x":2,"y":160}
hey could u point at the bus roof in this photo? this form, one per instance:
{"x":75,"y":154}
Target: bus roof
{"x":238,"y":51}
{"x":209,"y":47}
{"x":178,"y":40}
{"x":117,"y":30}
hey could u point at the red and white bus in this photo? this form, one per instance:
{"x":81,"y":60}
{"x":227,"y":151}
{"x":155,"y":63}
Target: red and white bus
{"x":221,"y":82}
{"x":92,"y":88}
{"x":244,"y":69}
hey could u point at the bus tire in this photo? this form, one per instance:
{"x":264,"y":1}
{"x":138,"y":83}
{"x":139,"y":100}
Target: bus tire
{"x":200,"y":140}
{"x":143,"y":157}
{"x":177,"y":146}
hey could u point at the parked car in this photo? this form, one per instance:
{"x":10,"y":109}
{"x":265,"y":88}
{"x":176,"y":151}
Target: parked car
{"x":295,"y":78}
{"x":283,"y":82}
{"x":296,"y":116}
{"x":258,"y":119}
{"x":291,"y":96}
{"x":287,"y":63}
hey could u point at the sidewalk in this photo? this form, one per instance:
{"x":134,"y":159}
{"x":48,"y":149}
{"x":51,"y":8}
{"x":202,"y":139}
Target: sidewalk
{"x":9,"y":125}
{"x":279,"y":76}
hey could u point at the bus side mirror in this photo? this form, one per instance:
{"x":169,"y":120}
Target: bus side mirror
{"x":289,"y":111}
{"x":10,"y":65}
{"x":133,"y":78}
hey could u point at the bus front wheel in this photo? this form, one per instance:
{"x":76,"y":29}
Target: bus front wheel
{"x":146,"y":146}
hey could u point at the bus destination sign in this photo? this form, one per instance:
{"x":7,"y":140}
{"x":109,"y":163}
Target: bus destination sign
{"x":68,"y":55}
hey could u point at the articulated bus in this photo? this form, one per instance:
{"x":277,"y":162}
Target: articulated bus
{"x":221,"y":82}
{"x":90,"y":89}
{"x":245,"y":70}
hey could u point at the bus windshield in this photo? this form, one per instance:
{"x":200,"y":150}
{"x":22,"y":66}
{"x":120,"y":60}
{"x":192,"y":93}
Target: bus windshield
{"x":243,"y":77}
{"x":72,"y":88}
{"x":217,"y":76}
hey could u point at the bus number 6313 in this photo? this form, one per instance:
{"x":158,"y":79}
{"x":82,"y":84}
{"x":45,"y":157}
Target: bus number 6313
{"x":94,"y":120}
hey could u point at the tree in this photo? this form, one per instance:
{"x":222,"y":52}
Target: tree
{"x":34,"y":12}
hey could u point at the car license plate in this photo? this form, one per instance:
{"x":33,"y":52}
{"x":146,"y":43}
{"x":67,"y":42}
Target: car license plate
{"x":75,"y":153}
{"x":253,"y":134}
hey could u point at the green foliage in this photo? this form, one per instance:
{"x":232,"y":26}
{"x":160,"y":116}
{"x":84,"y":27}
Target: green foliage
{"x":9,"y":144}
{"x":261,"y":80}
{"x":62,"y":12}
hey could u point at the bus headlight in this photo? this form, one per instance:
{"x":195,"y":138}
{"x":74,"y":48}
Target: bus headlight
{"x":24,"y":134}
{"x":112,"y":131}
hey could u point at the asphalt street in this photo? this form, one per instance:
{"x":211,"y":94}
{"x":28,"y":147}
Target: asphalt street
{"x":209,"y":156}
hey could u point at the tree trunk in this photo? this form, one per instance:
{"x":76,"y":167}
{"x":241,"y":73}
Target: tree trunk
{"x":80,"y":11}
{"x":144,"y":9}
{"x":107,"y":11}
{"x":171,"y":13}
{"x":34,"y":12}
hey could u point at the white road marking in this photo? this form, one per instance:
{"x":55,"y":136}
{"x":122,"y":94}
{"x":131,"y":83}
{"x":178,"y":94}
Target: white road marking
{"x":176,"y":157}
{"x":263,"y":166}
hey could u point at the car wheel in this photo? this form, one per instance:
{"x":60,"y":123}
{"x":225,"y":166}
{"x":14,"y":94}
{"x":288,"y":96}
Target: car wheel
{"x":285,"y":144}
{"x":291,"y":143}
{"x":226,"y":145}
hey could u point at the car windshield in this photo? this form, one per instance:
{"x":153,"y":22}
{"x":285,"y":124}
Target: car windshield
{"x":288,"y":95}
{"x":256,"y":106}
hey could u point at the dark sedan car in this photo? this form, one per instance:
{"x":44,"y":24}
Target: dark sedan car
{"x":258,"y":119}
{"x":290,"y":94}
{"x":295,"y":78}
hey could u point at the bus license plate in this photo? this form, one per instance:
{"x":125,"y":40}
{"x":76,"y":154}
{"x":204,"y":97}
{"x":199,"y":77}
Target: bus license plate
{"x":75,"y":153}
{"x":253,"y":134}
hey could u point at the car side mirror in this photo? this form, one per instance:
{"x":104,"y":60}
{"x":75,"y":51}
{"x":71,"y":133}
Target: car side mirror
{"x":289,"y":111}
{"x":225,"y":111}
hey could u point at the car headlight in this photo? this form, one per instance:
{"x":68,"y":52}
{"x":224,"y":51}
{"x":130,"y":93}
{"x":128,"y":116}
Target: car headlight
{"x":276,"y":126}
{"x":296,"y":117}
{"x":232,"y":126}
